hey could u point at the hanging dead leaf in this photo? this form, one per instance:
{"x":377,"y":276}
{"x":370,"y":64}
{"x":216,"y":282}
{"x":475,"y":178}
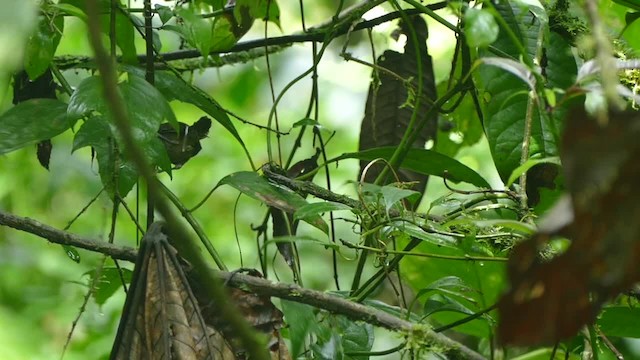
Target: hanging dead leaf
{"x":258,"y":310}
{"x":551,"y":300}
{"x":161,"y":318}
{"x":388,"y":109}
{"x":284,"y":224}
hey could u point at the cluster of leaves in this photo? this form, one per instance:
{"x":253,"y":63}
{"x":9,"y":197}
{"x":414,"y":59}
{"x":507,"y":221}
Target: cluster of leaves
{"x":514,"y":78}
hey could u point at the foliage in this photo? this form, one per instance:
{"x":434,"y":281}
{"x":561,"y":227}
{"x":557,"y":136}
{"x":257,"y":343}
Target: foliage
{"x":497,"y":139}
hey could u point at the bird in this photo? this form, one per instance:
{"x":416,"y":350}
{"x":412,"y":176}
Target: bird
{"x":184,"y":144}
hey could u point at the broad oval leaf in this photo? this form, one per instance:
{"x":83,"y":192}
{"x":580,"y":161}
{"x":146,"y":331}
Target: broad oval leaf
{"x":425,"y":162}
{"x":32,"y":121}
{"x":42,"y":45}
{"x":174,"y":88}
{"x":301,"y":320}
{"x":620,"y":321}
{"x":146,"y":106}
{"x":259,"y":188}
{"x":503,"y":113}
{"x":480,"y":27}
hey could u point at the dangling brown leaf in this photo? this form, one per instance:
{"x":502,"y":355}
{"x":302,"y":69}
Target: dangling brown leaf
{"x":551,"y":300}
{"x":161,"y":317}
{"x":258,"y":310}
{"x":284,"y":224}
{"x":388,"y":109}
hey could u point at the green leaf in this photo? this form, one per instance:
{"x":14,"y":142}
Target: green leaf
{"x":301,"y":320}
{"x":424,"y":162}
{"x":72,"y":253}
{"x":164,"y":12}
{"x":517,"y":172}
{"x":516,"y":68}
{"x":330,"y":348}
{"x":536,"y":8}
{"x":451,"y":285}
{"x":195,"y":29}
{"x":125,"y":33}
{"x":620,"y":321}
{"x":430,"y":237}
{"x":267,"y":10}
{"x":356,"y":337}
{"x":257,"y":187}
{"x":517,"y":226}
{"x":32,"y":121}
{"x":487,"y":276}
{"x":223,"y":37}
{"x":18,"y":19}
{"x":439,"y":303}
{"x":632,"y":4}
{"x":174,"y":88}
{"x":318,"y":208}
{"x":72,"y":10}
{"x":147,"y":109}
{"x":392,"y":195}
{"x":42,"y":45}
{"x":109,"y":282}
{"x":467,"y":128}
{"x":504,"y":112}
{"x":97,"y":133}
{"x":337,"y":335}
{"x":480,"y":27}
{"x":306,"y":122}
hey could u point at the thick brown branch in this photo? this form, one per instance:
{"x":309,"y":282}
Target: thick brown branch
{"x":321,"y":300}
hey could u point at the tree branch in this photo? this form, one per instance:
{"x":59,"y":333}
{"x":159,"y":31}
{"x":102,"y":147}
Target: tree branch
{"x":65,"y":238}
{"x":249,"y":49}
{"x":260,"y":286}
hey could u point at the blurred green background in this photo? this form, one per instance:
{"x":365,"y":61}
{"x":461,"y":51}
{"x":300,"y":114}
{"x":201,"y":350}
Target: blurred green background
{"x":41,"y":290}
